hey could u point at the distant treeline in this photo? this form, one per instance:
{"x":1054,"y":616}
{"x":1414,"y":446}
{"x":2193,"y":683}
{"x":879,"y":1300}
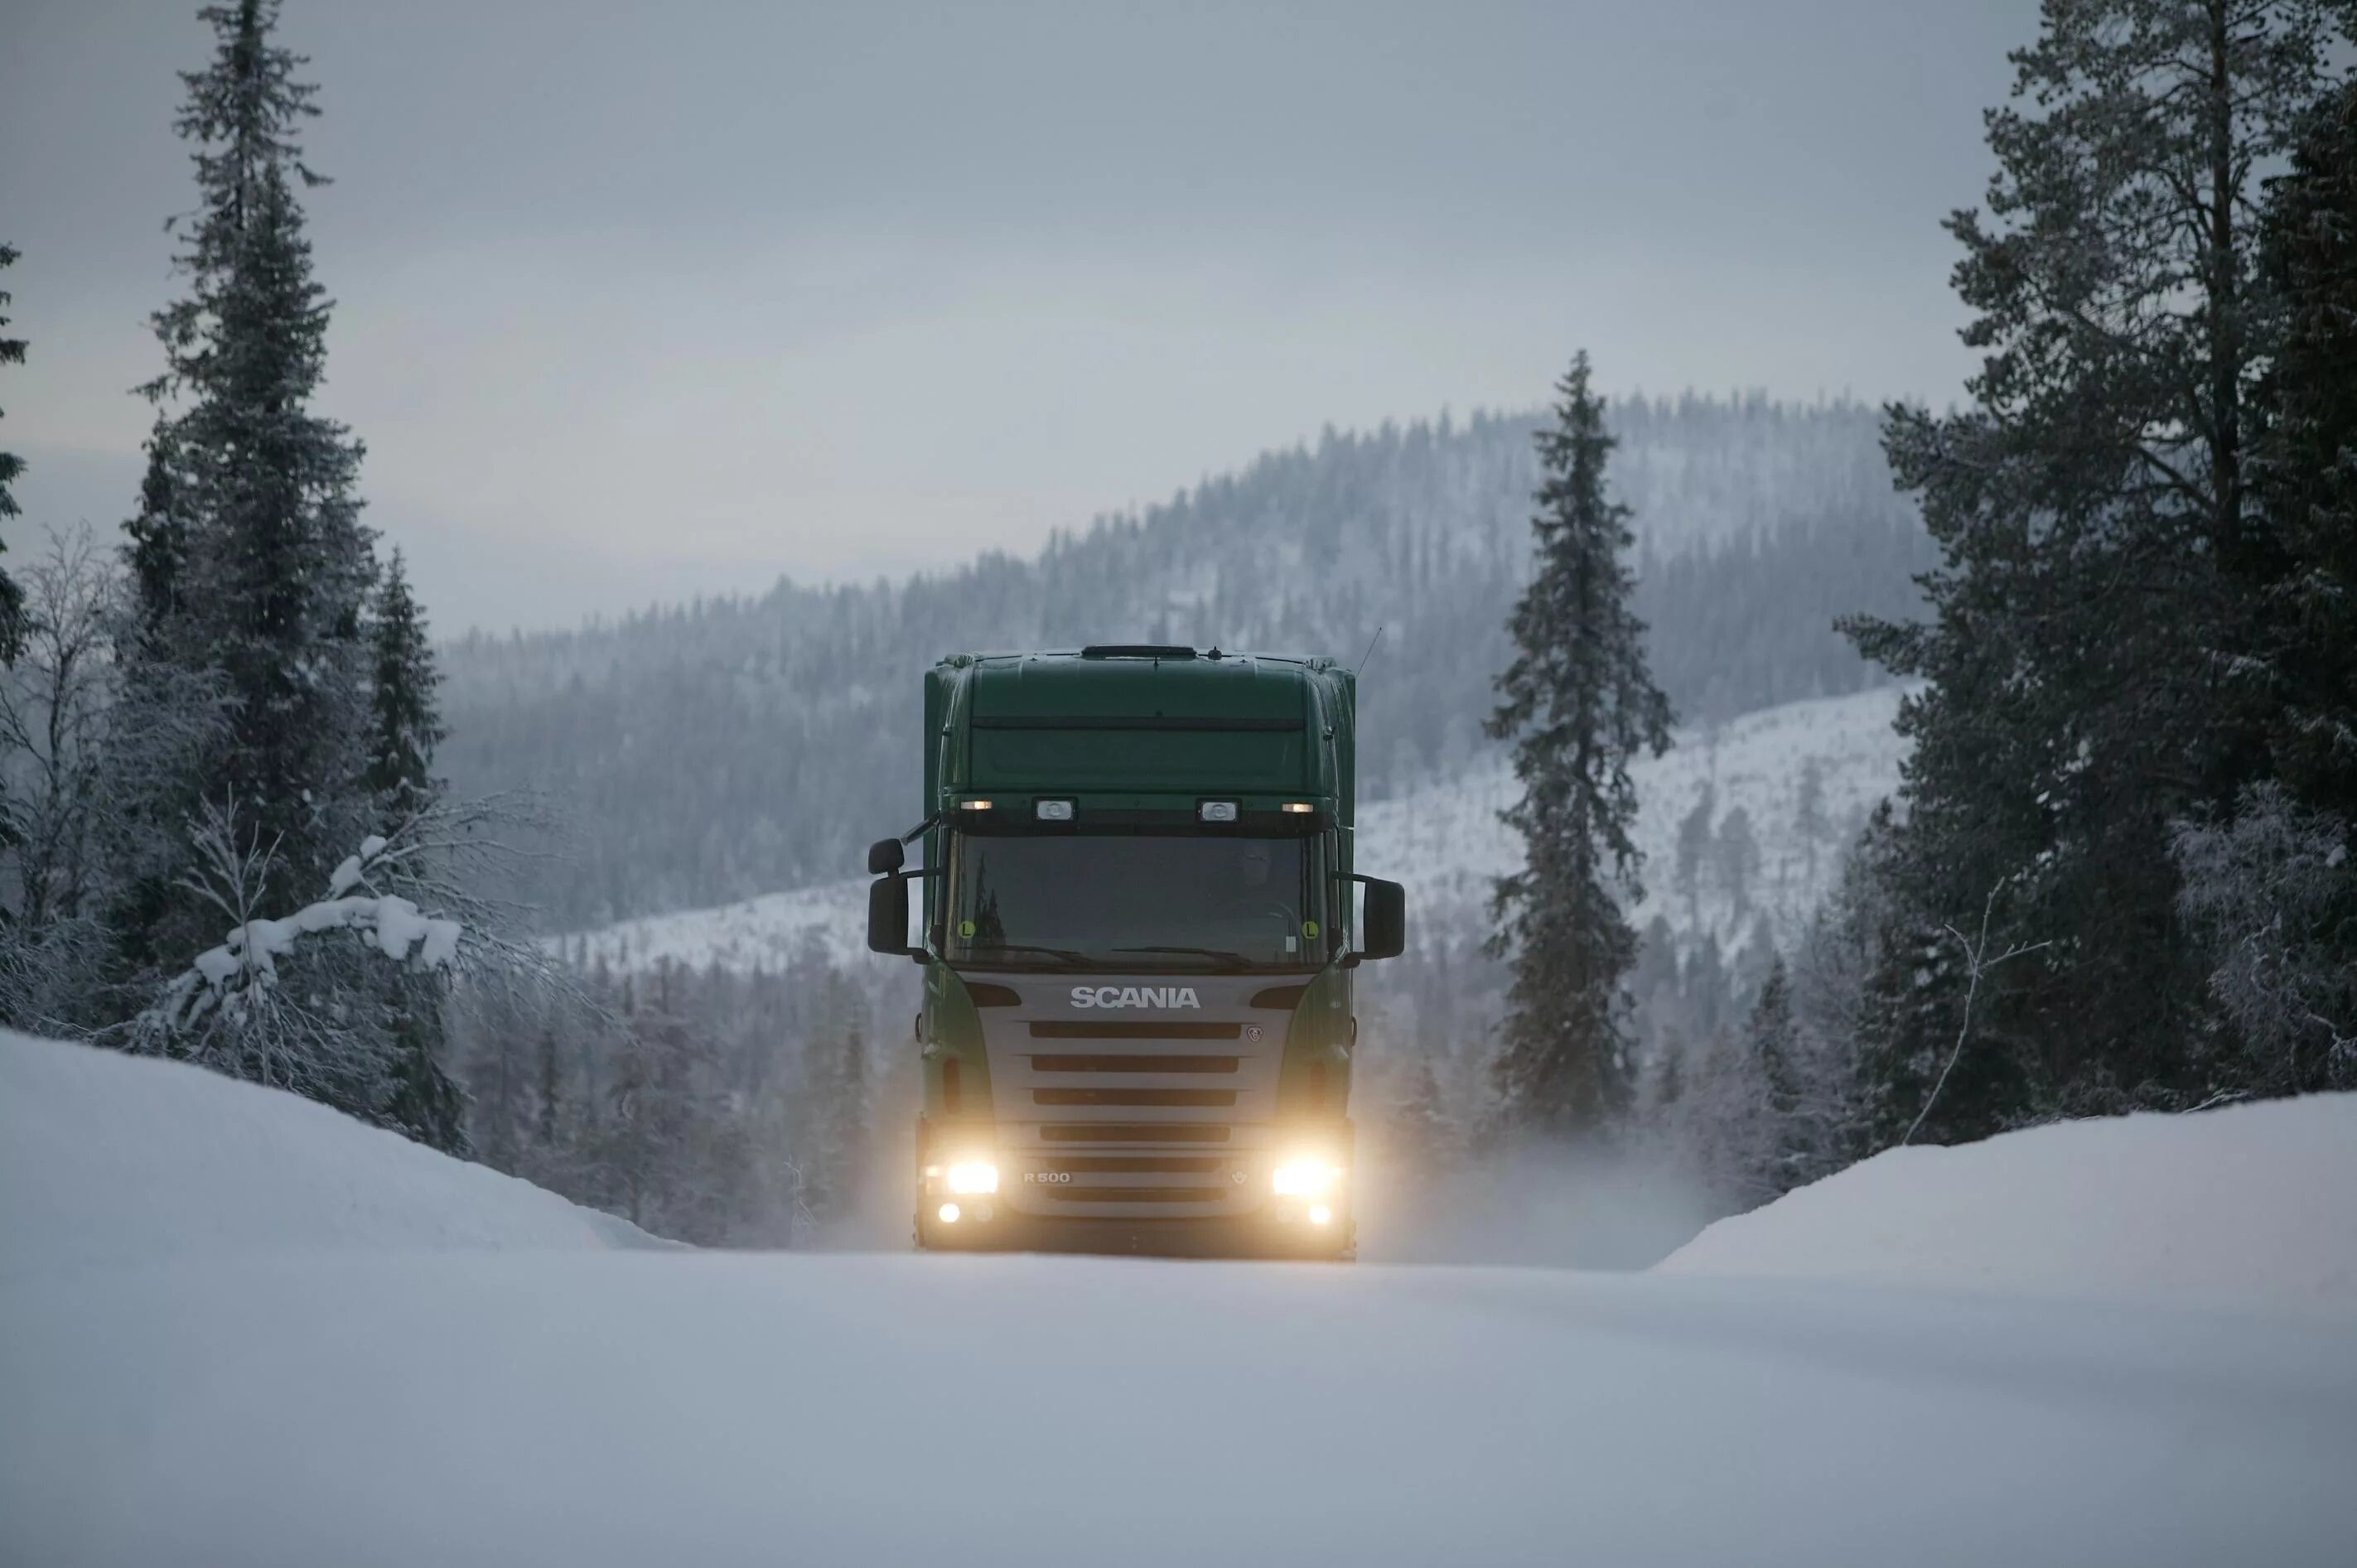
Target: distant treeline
{"x":736,"y":746}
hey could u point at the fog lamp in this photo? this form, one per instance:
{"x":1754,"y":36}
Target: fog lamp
{"x":948,"y":1213}
{"x":1319,"y":1214}
{"x":1304,"y":1178}
{"x":972,"y":1177}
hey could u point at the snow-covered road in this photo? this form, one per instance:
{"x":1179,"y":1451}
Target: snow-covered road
{"x":236,"y":1327}
{"x":639,"y":1407}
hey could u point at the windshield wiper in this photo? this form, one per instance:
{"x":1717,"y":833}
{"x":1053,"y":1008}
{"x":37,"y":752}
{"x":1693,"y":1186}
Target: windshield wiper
{"x":1067,"y":954}
{"x":1221,"y":955}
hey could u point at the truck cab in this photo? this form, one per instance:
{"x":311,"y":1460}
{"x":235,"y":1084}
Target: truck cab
{"x":1139,"y":927}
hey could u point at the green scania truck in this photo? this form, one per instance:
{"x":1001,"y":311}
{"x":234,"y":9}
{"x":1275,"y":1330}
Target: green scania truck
{"x":1139,"y":931}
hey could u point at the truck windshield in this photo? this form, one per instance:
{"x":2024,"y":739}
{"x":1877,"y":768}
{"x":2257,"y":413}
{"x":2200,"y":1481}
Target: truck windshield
{"x":1161,"y":902}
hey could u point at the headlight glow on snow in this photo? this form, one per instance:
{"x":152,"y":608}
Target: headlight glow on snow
{"x":974,"y":1176}
{"x":1304,"y":1178}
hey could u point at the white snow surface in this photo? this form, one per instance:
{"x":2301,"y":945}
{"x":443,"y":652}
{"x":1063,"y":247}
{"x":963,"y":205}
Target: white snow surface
{"x":108,"y":1159}
{"x":1445,"y":842}
{"x":2243,"y":1206}
{"x":236,"y":1327}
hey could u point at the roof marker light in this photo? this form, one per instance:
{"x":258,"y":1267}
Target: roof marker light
{"x":1217,"y":811}
{"x":1054,"y":811}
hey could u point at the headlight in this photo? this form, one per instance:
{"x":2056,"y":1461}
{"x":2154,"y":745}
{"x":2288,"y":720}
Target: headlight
{"x":974,"y":1176}
{"x":1304,"y":1178}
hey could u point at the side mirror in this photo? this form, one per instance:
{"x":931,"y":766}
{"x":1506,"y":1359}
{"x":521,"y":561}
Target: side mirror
{"x":1382,"y":930}
{"x":886,"y":856}
{"x":888,"y":917}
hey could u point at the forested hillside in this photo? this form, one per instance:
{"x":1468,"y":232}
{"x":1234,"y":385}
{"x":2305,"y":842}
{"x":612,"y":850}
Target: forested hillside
{"x":740,"y":746}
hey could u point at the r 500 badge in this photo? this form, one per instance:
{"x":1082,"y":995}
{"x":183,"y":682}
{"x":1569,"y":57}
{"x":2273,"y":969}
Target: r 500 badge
{"x":1046,"y":1179}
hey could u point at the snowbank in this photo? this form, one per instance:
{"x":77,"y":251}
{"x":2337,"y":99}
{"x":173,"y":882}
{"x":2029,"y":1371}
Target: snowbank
{"x":106,"y":1158}
{"x":315,"y":1343}
{"x":2247,"y":1206}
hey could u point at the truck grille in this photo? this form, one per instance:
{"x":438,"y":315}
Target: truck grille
{"x":1109,"y":1114}
{"x":1132,"y":1064}
{"x":1203,"y":1096}
{"x":1134,"y":1132}
{"x":1060,"y":1029}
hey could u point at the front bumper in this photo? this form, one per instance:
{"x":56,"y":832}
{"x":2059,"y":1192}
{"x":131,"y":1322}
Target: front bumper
{"x":1257,"y":1235}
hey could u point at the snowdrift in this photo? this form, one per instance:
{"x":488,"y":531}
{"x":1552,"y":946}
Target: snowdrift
{"x":2246,"y":1206}
{"x":107,"y":1159}
{"x":294,"y":1340}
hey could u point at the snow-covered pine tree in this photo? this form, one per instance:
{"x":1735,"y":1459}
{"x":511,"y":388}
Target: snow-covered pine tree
{"x":252,"y":571}
{"x":837,"y":1109}
{"x":1810,"y":822}
{"x":11,"y":596}
{"x":405,"y":723}
{"x":1418,"y":1135}
{"x":269,"y":584}
{"x":1694,"y":851}
{"x":1772,"y":1041}
{"x":405,"y":726}
{"x":2092,"y":506}
{"x":1669,"y":1073}
{"x":548,"y":1110}
{"x":1736,"y":854}
{"x":157,"y":547}
{"x":1580,"y":704}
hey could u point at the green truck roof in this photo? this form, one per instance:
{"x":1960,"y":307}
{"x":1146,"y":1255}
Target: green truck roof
{"x":1143,"y":719}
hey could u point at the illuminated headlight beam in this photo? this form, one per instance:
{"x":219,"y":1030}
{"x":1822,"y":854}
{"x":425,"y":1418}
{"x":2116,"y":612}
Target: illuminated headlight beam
{"x":969,"y":1177}
{"x":1305,"y":1179}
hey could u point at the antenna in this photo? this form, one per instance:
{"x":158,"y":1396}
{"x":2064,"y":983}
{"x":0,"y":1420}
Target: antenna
{"x":1370,"y":654}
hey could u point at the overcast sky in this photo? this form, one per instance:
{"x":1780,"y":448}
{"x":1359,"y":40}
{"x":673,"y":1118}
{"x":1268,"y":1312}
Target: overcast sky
{"x":636,"y":301}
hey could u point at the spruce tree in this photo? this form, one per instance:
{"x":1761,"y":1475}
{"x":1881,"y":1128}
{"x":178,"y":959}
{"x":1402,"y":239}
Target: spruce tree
{"x":1809,"y":819}
{"x":548,"y":1109}
{"x":12,"y":595}
{"x":263,"y":573}
{"x":1420,"y":1140}
{"x":156,"y":548}
{"x":1580,"y":704}
{"x":2092,"y":506}
{"x":1736,"y":853}
{"x":405,"y":723}
{"x":1772,"y":1041}
{"x":1694,"y":852}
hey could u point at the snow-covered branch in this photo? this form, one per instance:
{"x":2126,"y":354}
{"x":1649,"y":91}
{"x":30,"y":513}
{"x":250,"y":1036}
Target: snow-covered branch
{"x":405,"y":897}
